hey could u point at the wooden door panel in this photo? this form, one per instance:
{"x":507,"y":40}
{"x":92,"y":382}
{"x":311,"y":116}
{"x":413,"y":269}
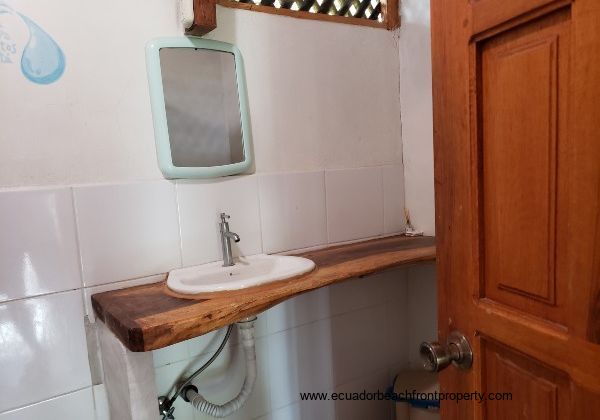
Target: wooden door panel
{"x":537,"y":391}
{"x":593,"y":322}
{"x":541,"y":340}
{"x":522,"y":85}
{"x":489,"y":13}
{"x":516,"y":94}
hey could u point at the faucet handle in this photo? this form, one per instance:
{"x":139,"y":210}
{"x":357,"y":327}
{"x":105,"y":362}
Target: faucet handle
{"x":224,"y":217}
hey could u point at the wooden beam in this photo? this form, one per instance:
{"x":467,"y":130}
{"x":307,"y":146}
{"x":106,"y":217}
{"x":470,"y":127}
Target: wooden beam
{"x":205,"y":17}
{"x":391,"y":14}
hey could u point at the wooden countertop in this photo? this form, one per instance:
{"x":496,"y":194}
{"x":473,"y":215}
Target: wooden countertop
{"x":146,"y":318}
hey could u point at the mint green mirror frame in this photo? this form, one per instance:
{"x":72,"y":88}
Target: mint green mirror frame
{"x":157,"y":99}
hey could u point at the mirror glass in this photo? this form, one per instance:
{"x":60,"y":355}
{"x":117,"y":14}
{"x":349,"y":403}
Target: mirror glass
{"x":199,"y":107}
{"x":202,"y":106}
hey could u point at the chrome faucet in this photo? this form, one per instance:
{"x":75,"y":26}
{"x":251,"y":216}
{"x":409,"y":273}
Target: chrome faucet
{"x":226,"y":237}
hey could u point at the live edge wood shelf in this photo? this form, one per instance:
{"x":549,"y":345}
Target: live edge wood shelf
{"x":147,"y":318}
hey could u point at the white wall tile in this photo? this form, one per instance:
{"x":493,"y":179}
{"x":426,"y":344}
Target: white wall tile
{"x":422,"y":307}
{"x":292,"y":210}
{"x":303,"y":410}
{"x":43,"y":350}
{"x":360,"y":293}
{"x":299,"y":310}
{"x":358,"y":340}
{"x":358,"y":410}
{"x":260,"y":327}
{"x":200,"y":203}
{"x":300,"y":360}
{"x":170,"y":354}
{"x":77,"y":405}
{"x":398,"y":320}
{"x":127,"y":230}
{"x":38,"y":246}
{"x":354,"y":203}
{"x":89,"y":291}
{"x":190,"y":348}
{"x":166,"y":376}
{"x":209,"y":342}
{"x":204,"y":344}
{"x":100,"y":402}
{"x":221,"y":381}
{"x":393,"y":199}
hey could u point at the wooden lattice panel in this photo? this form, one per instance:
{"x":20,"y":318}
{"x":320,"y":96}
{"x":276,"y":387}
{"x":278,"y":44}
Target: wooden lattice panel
{"x":360,"y":9}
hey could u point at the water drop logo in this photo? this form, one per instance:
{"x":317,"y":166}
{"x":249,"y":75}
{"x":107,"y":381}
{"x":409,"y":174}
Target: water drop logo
{"x":42,"y":60}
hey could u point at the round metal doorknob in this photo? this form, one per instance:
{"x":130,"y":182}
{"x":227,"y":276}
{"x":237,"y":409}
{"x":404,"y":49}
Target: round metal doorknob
{"x":437,"y":356}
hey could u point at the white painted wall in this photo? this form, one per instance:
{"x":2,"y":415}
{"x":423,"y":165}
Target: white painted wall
{"x":321,"y":95}
{"x":417,"y":118}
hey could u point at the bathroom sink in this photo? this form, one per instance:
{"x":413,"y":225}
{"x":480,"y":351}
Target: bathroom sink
{"x":247,"y":272}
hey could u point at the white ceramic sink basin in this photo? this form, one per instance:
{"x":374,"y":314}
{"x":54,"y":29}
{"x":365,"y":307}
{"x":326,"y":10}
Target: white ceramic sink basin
{"x":247,"y":272}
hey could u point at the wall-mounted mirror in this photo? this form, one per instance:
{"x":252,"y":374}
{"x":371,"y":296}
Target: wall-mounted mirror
{"x":199,"y":107}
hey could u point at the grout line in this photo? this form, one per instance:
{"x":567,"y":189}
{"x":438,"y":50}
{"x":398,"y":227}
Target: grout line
{"x":382,"y":200}
{"x":369,"y":375}
{"x":180,"y":230}
{"x":299,"y":250}
{"x":77,"y":236}
{"x":163,"y":275}
{"x":331,"y":244}
{"x":325,"y":202}
{"x":328,"y":317}
{"x":84,"y":288}
{"x":64,"y":394}
{"x":117,"y":182}
{"x":60,"y":186}
{"x":361,"y":309}
{"x":262,"y":242}
{"x":40,"y":295}
{"x":213,"y":343}
{"x":409,"y":319}
{"x":260,"y":229}
{"x":95,"y":395}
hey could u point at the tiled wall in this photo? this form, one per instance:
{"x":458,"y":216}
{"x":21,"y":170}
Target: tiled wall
{"x":51,"y":262}
{"x":348,"y":337}
{"x":61,"y":245}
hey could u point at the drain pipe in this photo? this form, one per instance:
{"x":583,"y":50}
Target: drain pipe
{"x":190,"y":392}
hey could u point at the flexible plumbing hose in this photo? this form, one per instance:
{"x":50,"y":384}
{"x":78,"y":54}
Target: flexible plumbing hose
{"x":201,"y":369}
{"x":246,"y":329}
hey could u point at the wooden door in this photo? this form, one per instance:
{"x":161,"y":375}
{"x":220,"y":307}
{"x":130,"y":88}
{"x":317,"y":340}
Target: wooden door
{"x":516,"y":93}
